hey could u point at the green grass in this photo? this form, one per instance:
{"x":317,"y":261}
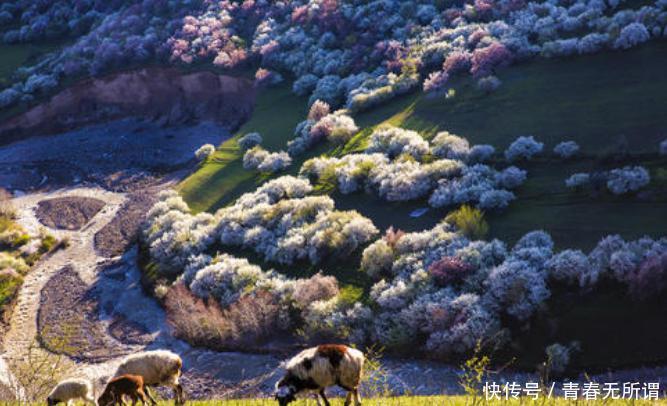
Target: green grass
{"x":419,"y":401}
{"x":15,"y":56}
{"x":601,"y":101}
{"x":9,"y":285}
{"x":222,"y":178}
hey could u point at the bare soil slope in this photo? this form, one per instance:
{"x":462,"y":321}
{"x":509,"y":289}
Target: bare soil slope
{"x":164,"y":94}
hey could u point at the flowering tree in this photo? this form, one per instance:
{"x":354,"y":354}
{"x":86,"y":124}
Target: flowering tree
{"x":260,"y":159}
{"x":627,"y":179}
{"x":523,"y":148}
{"x":566,"y":149}
{"x":204,"y":151}
{"x":250,"y":140}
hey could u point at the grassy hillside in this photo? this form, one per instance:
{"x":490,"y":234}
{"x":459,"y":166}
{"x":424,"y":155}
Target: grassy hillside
{"x":222,"y":178}
{"x":608,"y":103}
{"x":15,"y":56}
{"x":605,"y":102}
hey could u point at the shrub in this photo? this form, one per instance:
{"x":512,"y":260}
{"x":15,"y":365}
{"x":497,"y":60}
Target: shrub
{"x":481,"y":153}
{"x":202,"y":323}
{"x":489,"y":84}
{"x":327,"y":90}
{"x":317,"y":287}
{"x":337,"y":128}
{"x":517,"y":288}
{"x":305,"y":84}
{"x":249,"y":140}
{"x":558,"y":358}
{"x":632,"y":34}
{"x":10,"y":283}
{"x":318,"y":110}
{"x":435,"y":82}
{"x":394,"y":141}
{"x":523,"y":148}
{"x":572,"y":266}
{"x":377,"y":258}
{"x":8,"y":97}
{"x":627,"y":179}
{"x":407,"y":180}
{"x":534,"y":239}
{"x":448,"y":270}
{"x":566,"y":149}
{"x":226,"y":279}
{"x":486,"y":60}
{"x":375,"y":92}
{"x":48,"y":243}
{"x":282,"y":224}
{"x":204,"y":151}
{"x":577,"y":180}
{"x":469,"y":324}
{"x":650,"y":279}
{"x":495,"y":199}
{"x":265,"y":77}
{"x":264,"y":161}
{"x":467,"y":188}
{"x":194,"y":320}
{"x":592,"y":43}
{"x":511,"y":177}
{"x":457,"y":62}
{"x":254,"y":157}
{"x":446,"y":145}
{"x":469,"y":221}
{"x":38,"y":83}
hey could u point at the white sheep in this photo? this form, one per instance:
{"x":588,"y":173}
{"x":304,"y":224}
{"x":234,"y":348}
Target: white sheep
{"x":314,"y":369}
{"x":69,"y":389}
{"x":158,"y":368}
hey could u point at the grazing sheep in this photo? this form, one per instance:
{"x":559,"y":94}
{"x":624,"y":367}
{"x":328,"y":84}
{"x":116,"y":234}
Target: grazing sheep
{"x":314,"y":369}
{"x":130,"y":385}
{"x":69,"y":389}
{"x":157,"y":368}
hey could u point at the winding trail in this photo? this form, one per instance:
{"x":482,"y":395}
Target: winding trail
{"x":80,"y":254}
{"x":234,"y":374}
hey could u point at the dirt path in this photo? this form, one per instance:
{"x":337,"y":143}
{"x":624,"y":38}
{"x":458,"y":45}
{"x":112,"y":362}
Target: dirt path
{"x":80,"y":254}
{"x":116,"y":282}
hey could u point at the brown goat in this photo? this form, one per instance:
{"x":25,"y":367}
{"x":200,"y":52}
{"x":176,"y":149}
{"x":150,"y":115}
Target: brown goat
{"x":130,"y":385}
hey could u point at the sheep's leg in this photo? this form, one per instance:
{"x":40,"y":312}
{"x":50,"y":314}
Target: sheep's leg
{"x":324,"y":397}
{"x":357,"y":398}
{"x":348,"y":398}
{"x":178,"y":394}
{"x":148,"y":393}
{"x":142,"y":395}
{"x":90,"y":399}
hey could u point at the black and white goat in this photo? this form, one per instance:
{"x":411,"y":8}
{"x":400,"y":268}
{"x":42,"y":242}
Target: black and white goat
{"x":314,"y":369}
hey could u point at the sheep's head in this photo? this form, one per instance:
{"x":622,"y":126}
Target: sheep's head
{"x":51,"y":402}
{"x":106,"y":399}
{"x":285,"y":393}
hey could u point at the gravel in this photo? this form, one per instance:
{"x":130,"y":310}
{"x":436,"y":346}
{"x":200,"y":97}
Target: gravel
{"x":68,"y":213}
